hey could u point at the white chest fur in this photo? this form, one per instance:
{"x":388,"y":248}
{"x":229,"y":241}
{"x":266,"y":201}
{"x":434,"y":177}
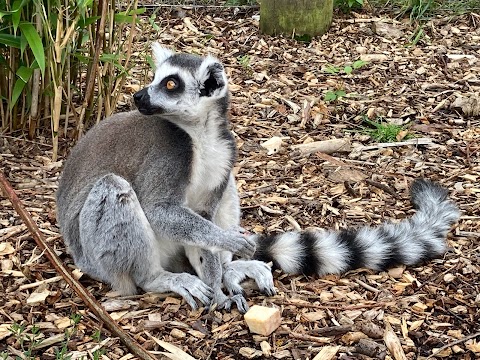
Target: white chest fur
{"x":211,"y":165}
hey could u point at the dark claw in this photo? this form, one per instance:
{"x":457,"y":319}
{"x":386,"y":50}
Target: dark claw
{"x":268,"y":291}
{"x":241,"y":303}
{"x":239,"y":292}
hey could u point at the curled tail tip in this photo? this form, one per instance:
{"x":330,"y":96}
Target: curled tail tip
{"x":429,"y":196}
{"x":423,"y":190}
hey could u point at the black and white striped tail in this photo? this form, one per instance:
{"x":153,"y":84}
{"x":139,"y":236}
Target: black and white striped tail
{"x":408,"y":242}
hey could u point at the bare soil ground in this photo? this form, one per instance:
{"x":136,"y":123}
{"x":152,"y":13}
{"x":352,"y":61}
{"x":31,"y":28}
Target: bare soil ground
{"x":278,"y":86}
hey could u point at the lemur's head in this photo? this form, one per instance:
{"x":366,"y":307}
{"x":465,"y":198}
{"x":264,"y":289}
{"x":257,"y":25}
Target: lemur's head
{"x":184,"y":85}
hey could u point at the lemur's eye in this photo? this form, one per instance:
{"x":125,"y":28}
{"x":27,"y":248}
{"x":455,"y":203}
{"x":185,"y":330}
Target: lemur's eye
{"x":171,"y":84}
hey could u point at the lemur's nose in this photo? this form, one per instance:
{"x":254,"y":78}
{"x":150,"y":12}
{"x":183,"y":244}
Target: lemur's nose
{"x":140,"y":95}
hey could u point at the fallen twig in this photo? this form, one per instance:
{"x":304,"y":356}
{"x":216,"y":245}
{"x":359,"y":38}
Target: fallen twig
{"x":40,"y":282}
{"x":307,"y":304}
{"x":89,"y":300}
{"x":326,"y":146}
{"x":383,"y":187}
{"x":456,"y":342}
{"x":310,"y":338}
{"x":416,"y":142}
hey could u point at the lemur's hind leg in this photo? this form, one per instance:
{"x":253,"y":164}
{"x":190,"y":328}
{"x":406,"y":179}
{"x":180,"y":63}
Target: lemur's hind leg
{"x":119,"y":246}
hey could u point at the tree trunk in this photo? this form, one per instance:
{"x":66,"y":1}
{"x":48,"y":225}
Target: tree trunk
{"x":295,"y":17}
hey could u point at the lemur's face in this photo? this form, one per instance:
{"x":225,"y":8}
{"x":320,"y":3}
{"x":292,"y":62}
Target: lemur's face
{"x":184,"y":85}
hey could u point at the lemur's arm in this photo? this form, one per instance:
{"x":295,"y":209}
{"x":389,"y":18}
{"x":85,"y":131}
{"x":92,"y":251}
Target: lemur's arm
{"x":180,"y":224}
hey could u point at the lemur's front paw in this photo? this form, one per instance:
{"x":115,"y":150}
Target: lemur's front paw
{"x":240,"y":302}
{"x":237,"y":271}
{"x":239,"y":244}
{"x":240,"y":230}
{"x":222,"y":301}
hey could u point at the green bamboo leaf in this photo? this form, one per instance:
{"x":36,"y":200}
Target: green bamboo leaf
{"x":24,"y":73}
{"x":348,"y":69}
{"x":35,"y":43}
{"x":10,"y":40}
{"x":121,"y":68}
{"x":123,"y":19}
{"x":150,"y":62}
{"x":85,"y":22}
{"x":82,"y":58}
{"x":83,"y":4}
{"x":17,"y":7}
{"x":17,"y":91}
{"x":105,"y":57}
{"x":127,"y":16}
{"x":138,"y":11}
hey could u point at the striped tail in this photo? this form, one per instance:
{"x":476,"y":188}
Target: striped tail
{"x":411,"y":241}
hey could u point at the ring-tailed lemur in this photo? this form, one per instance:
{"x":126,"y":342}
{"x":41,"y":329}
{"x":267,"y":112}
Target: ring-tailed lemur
{"x":147,"y":199}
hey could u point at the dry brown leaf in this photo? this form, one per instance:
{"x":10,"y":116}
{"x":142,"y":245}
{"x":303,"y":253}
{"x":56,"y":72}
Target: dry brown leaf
{"x":38,"y":297}
{"x":470,"y":104}
{"x":6,"y":248}
{"x":342,"y":174}
{"x":273,"y":145}
{"x":175,"y":353}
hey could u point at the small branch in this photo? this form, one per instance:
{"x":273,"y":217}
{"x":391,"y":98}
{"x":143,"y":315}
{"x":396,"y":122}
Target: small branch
{"x":310,"y":338}
{"x":306,"y":304}
{"x":366,"y":286}
{"x":89,"y":300}
{"x":383,"y":187}
{"x":41,"y":282}
{"x":456,"y":342}
{"x":416,"y":142}
{"x":325,"y":146}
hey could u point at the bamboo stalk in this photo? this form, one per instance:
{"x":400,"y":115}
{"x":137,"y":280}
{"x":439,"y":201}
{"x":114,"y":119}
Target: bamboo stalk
{"x":34,"y":114}
{"x":128,"y":54}
{"x":11,"y":79}
{"x":57,"y":108}
{"x":100,"y":34}
{"x":83,"y":293}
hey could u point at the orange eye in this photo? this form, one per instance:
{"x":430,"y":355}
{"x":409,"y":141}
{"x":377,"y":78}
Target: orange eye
{"x":171,"y":84}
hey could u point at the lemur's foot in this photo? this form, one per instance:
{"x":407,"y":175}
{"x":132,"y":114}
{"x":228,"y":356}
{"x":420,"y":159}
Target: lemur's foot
{"x":191,"y":287}
{"x":237,"y":271}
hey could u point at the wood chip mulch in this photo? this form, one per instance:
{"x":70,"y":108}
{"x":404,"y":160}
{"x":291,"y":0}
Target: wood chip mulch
{"x":278,"y":86}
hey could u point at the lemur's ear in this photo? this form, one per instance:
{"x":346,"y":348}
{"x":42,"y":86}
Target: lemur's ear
{"x":160,"y":53}
{"x":212,"y":78}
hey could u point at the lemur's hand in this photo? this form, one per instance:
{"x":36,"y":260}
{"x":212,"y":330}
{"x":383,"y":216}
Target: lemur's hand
{"x":238,"y":244}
